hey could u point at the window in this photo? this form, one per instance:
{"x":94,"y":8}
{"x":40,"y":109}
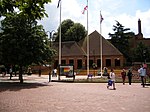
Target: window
{"x":79,"y":63}
{"x":71,"y":62}
{"x":63,"y":62}
{"x":91,"y":63}
{"x":108,"y":62}
{"x":98,"y":62}
{"x":117,"y":62}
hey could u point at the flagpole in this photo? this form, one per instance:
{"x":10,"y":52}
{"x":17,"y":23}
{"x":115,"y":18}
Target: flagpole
{"x":101,"y":49}
{"x":87,"y":43}
{"x":60,"y":36}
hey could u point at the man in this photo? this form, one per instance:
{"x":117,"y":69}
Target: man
{"x":142,"y":73}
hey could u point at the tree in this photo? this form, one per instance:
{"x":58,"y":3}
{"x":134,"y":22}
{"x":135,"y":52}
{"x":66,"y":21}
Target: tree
{"x":65,"y":25}
{"x":120,"y":39}
{"x":71,"y":31}
{"x":23,"y":42}
{"x":76,"y":32}
{"x":34,"y":9}
{"x":141,"y":53}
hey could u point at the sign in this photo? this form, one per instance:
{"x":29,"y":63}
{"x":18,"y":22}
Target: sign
{"x":67,"y":70}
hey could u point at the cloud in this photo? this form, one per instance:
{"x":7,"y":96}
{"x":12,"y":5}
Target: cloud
{"x":71,"y":9}
{"x":145,"y":23}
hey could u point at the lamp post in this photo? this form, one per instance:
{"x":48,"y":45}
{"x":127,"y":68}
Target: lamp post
{"x":50,"y":35}
{"x":50,"y":38}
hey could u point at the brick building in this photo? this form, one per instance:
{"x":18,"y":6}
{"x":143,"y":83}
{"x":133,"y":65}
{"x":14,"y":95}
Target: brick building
{"x":139,"y":37}
{"x":76,"y":53}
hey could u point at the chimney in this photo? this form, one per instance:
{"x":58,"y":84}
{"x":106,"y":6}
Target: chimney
{"x":139,"y":27}
{"x":139,"y":35}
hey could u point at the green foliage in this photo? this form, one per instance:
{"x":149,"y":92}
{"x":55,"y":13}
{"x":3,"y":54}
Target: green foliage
{"x":141,"y":53}
{"x":23,"y":42}
{"x":120,"y":39}
{"x":76,"y":32}
{"x":65,"y":25}
{"x":34,"y":9}
{"x":71,"y":31}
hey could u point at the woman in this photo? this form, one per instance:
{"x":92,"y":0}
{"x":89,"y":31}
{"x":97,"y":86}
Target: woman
{"x":112,"y":79}
{"x":123,"y":74}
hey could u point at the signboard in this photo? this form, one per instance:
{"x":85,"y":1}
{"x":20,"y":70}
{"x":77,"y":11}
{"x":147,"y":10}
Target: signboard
{"x":67,"y":70}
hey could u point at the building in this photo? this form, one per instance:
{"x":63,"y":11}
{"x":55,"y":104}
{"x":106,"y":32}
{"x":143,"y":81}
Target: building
{"x":76,"y":53}
{"x":139,"y":37}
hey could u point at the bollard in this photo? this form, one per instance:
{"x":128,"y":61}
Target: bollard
{"x":49,"y":77}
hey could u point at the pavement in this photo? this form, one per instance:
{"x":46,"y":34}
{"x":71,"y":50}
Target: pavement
{"x":37,"y":94}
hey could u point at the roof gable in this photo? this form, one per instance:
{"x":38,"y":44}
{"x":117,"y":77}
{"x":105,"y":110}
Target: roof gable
{"x":94,"y":45}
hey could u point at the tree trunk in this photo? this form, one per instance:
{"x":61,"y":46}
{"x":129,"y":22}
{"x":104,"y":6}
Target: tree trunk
{"x":20,"y":75}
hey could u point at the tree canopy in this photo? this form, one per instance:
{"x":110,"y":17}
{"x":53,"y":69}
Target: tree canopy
{"x":71,"y":31}
{"x":27,"y":40}
{"x":22,"y":41}
{"x":33,"y":8}
{"x":141,"y":53}
{"x":120,"y":39}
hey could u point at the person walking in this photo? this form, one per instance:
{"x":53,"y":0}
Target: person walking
{"x":55,"y":72}
{"x":142,"y":73}
{"x":10,"y":72}
{"x":129,"y":74}
{"x":123,"y":74}
{"x":111,"y":80}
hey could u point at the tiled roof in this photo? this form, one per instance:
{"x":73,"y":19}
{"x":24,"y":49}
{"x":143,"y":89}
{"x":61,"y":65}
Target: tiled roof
{"x":71,"y":48}
{"x":94,"y":45}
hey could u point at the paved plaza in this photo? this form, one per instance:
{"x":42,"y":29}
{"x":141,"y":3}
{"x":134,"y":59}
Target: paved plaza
{"x":38,"y":95}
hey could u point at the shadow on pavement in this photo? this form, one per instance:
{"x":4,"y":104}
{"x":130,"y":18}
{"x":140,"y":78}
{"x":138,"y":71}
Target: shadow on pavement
{"x":16,"y":86}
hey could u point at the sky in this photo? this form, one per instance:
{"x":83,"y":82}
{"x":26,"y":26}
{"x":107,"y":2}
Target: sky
{"x":127,"y":12}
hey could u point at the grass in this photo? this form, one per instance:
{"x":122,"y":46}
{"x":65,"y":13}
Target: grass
{"x":99,"y":80}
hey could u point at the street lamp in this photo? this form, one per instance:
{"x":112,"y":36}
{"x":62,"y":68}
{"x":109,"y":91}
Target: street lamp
{"x":50,"y":38}
{"x":50,"y":35}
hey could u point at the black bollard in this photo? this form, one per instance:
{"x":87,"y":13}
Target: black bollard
{"x":49,"y":77}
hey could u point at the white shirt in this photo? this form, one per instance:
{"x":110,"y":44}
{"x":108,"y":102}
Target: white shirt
{"x":112,"y":76}
{"x":55,"y":70}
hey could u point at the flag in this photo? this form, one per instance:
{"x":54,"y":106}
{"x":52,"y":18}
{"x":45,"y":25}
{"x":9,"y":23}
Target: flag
{"x":101,"y":18}
{"x":66,"y":69}
{"x":58,"y":3}
{"x":85,"y":8}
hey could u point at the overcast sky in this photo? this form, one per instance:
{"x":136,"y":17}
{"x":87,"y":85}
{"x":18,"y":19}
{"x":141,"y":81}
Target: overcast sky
{"x":127,"y":12}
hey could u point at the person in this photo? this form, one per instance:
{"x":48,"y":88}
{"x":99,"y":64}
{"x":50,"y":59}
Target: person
{"x":55,"y":72}
{"x":29,"y":71}
{"x":123,"y":74}
{"x":142,"y":73}
{"x":129,"y":74}
{"x":10,"y":72}
{"x":40,"y":72}
{"x":4,"y":72}
{"x":105,"y":71}
{"x":111,"y":80}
